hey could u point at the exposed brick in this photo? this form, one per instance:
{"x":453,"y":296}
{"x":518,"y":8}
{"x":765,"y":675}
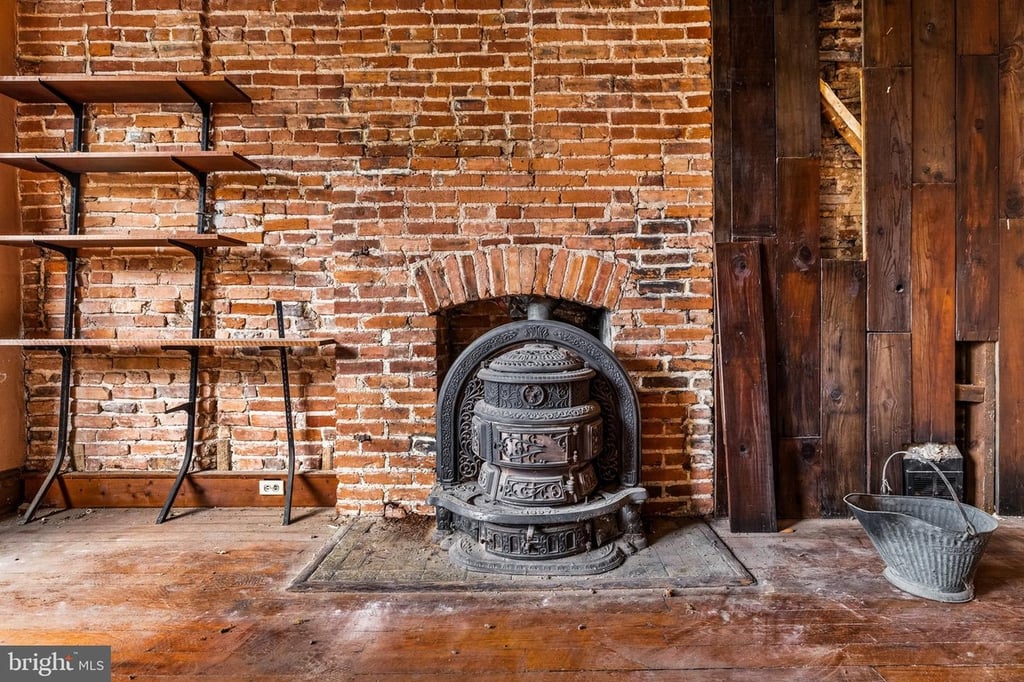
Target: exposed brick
{"x":417,"y":160}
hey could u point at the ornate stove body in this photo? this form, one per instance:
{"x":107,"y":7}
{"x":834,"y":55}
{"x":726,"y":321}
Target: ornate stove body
{"x":538,"y":454}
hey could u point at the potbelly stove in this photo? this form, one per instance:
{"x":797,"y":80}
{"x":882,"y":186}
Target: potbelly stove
{"x":538,"y":456}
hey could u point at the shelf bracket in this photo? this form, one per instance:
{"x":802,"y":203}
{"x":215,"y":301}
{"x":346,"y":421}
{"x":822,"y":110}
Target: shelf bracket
{"x":77,"y":109}
{"x":290,"y":483}
{"x":206,"y":108}
{"x":190,"y":433}
{"x":63,"y":420}
{"x":69,"y":252}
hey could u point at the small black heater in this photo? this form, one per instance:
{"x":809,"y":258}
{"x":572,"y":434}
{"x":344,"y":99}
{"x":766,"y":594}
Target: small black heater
{"x":920,"y":478}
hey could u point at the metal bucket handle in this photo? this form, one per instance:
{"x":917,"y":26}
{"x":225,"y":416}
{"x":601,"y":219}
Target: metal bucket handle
{"x":887,"y":489}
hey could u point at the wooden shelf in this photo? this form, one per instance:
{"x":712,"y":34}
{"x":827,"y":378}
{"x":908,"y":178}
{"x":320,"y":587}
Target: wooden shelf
{"x":120,"y":89}
{"x":166,"y":344}
{"x":128,"y":239}
{"x":129,"y":162}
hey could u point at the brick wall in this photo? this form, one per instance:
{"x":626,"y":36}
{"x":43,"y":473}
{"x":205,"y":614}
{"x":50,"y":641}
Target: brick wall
{"x":424,"y":162}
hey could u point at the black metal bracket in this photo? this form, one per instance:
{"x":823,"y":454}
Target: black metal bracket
{"x":189,"y":407}
{"x":206,"y":108}
{"x":77,"y":109}
{"x":190,"y":432}
{"x":64,"y":414}
{"x":290,"y":483}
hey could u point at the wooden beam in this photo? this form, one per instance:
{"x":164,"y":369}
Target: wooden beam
{"x":888,"y":404}
{"x":934,"y":85}
{"x":1011,"y":369}
{"x":977,"y":419}
{"x":798,"y":129}
{"x":887,"y":196}
{"x":977,"y":198}
{"x":843,"y":384}
{"x":887,"y":28}
{"x":747,"y":436}
{"x":971,"y":393}
{"x":203,"y":489}
{"x":721,"y":82}
{"x":753,"y":124}
{"x":842,"y":119}
{"x":798,"y":303}
{"x":933,"y":339}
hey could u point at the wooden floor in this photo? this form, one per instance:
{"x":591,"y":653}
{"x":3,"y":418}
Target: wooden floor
{"x":204,"y":597}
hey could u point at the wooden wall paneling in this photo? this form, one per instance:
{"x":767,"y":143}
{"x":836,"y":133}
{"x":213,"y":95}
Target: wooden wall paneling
{"x":843,"y":383}
{"x":799,"y":478}
{"x":887,"y":196}
{"x":887,"y":28}
{"x":1011,"y":109}
{"x":977,"y":198}
{"x":747,"y":438}
{"x":770,"y":301}
{"x":752,"y":50}
{"x":1011,"y":251}
{"x":888,"y":404}
{"x":721,"y":480}
{"x":976,"y":396}
{"x":797,"y":107}
{"x":933,"y":345}
{"x":934,"y":103}
{"x":798,"y":304}
{"x":1011,"y":368}
{"x":721,"y":129}
{"x":977,"y":27}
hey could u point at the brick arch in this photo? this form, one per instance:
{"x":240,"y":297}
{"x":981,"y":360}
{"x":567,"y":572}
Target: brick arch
{"x":453,"y":279}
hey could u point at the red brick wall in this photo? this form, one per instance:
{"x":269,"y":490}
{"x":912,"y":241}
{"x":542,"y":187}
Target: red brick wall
{"x":422,"y":160}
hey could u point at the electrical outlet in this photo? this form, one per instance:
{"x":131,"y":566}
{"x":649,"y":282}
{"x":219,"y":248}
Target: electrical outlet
{"x":271,"y":487}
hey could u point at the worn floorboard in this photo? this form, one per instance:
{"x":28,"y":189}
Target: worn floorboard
{"x":205,"y":597}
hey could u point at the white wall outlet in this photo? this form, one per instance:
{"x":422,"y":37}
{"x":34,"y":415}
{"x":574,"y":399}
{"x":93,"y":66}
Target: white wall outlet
{"x":271,"y":487}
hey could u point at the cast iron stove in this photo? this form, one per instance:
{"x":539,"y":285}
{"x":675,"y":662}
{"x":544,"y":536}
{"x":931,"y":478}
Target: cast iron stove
{"x":538,"y":454}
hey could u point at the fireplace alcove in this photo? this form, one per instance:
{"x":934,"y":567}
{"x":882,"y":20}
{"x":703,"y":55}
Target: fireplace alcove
{"x":584,"y":536}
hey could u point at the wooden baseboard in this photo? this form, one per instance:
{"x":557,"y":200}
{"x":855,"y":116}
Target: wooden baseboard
{"x":12,"y":490}
{"x":203,"y":489}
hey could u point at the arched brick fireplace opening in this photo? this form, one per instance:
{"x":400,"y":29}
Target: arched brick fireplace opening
{"x":472,"y":293}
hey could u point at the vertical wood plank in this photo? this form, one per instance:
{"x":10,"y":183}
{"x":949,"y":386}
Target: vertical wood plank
{"x":843,"y":384}
{"x":752,"y":36}
{"x":1011,"y":272}
{"x":1011,"y":369}
{"x":721,"y":110}
{"x":799,"y":478}
{"x":721,"y":483}
{"x":977,"y":27}
{"x":978,"y":368}
{"x":886,"y":33}
{"x":889,"y":404}
{"x":1011,"y":108}
{"x":934,"y":103}
{"x":977,"y":199}
{"x":797,"y":102}
{"x":745,"y":410}
{"x":933,"y":345}
{"x":798,"y":307}
{"x":887,"y":196}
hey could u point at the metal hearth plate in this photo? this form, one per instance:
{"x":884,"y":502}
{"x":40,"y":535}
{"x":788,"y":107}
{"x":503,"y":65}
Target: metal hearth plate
{"x":379,"y":555}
